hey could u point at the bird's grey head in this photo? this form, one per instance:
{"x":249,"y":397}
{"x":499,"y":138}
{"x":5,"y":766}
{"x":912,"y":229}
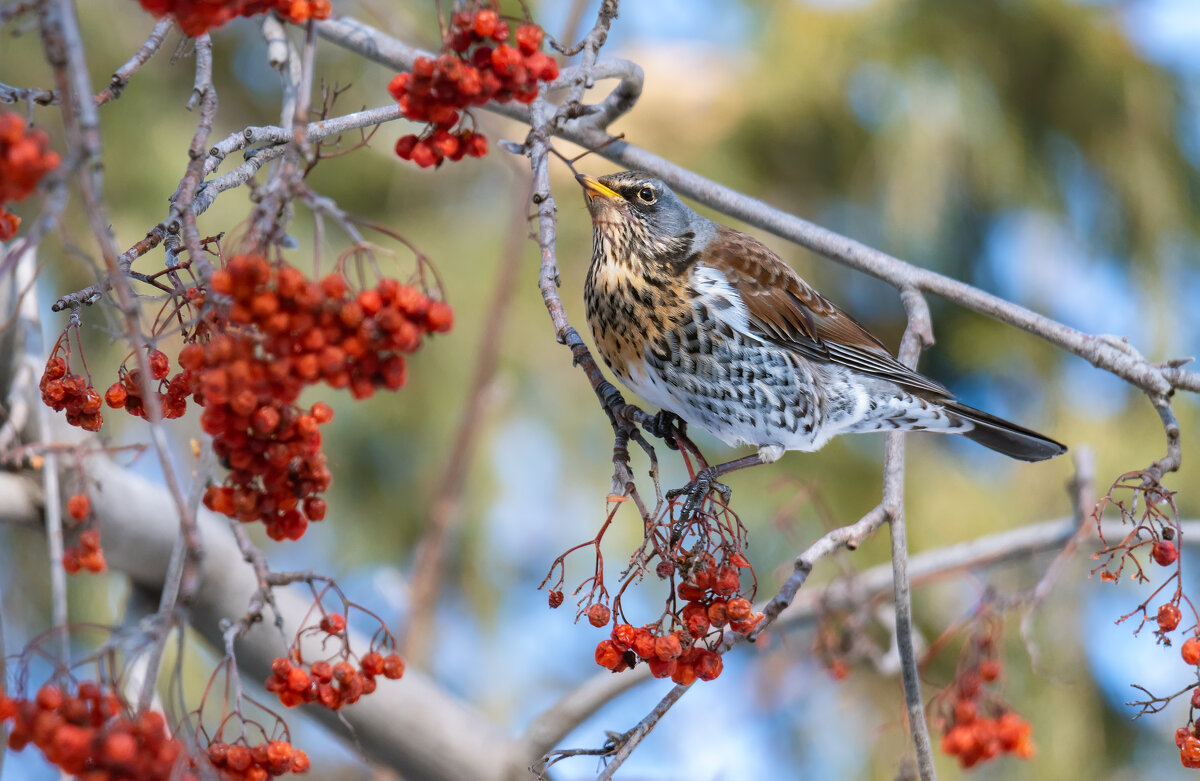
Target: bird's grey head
{"x":634,"y":209}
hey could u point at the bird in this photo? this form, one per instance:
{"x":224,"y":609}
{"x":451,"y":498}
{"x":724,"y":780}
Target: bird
{"x":710,"y":325}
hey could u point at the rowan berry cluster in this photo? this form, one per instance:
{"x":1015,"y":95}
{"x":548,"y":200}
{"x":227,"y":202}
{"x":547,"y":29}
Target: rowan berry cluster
{"x":24,"y":159}
{"x":977,"y":725}
{"x":711,"y":605}
{"x":242,"y":762}
{"x":976,"y":739}
{"x":88,"y":555}
{"x":64,"y":390}
{"x":330,"y":685}
{"x":336,"y":680}
{"x":282,"y":333}
{"x":171,"y":397}
{"x":675,"y":655}
{"x":196,"y":17}
{"x":470,"y":71}
{"x":87,"y":733}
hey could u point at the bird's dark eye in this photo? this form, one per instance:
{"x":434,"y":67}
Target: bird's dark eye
{"x":646,"y":195}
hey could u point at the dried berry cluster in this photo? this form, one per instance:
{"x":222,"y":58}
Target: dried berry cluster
{"x":282,"y":333}
{"x":24,"y":160}
{"x":679,"y":654}
{"x":243,"y":762}
{"x":64,"y":390}
{"x":331,"y":682}
{"x":87,"y":733}
{"x":469,"y":72}
{"x":196,"y":17}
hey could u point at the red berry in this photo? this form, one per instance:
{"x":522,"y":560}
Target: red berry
{"x":1164,"y":553}
{"x":598,"y":614}
{"x":556,"y":598}
{"x":989,"y":669}
{"x":529,"y":38}
{"x":439,"y":316}
{"x":405,"y":145}
{"x":1168,"y":617}
{"x":398,"y":86}
{"x":485,"y":23}
{"x":115,"y":395}
{"x":1191,"y":651}
{"x":372,"y":663}
{"x":1189,"y":753}
{"x":160,"y":365}
{"x":667,"y":647}
{"x":393,"y":666}
{"x":334,"y":623}
{"x":609,"y":655}
{"x":78,"y":507}
{"x":739,"y":609}
{"x":425,"y":155}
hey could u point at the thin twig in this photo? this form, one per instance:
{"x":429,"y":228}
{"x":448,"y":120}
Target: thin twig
{"x":917,"y":335}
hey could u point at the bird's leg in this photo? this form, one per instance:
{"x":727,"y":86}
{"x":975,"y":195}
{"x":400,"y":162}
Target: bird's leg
{"x":706,"y":480}
{"x":668,"y":427}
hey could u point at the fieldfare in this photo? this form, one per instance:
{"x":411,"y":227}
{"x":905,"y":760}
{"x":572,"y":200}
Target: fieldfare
{"x":708,"y":323}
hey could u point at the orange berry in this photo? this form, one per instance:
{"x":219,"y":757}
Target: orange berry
{"x":989,"y":669}
{"x":372,"y":663}
{"x":598,"y":614}
{"x":393,"y":666}
{"x":609,"y":655}
{"x":120,"y":747}
{"x":1189,"y":753}
{"x":78,"y":506}
{"x":297,"y":679}
{"x":334,"y":623}
{"x":668,"y":647}
{"x":739,"y":609}
{"x":440,"y":316}
{"x":1191,"y":651}
{"x":965,"y":711}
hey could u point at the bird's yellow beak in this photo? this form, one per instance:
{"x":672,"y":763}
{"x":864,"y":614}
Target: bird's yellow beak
{"x":593,"y":188}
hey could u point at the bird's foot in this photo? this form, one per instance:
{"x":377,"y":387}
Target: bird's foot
{"x":695,"y":493}
{"x":668,"y":427}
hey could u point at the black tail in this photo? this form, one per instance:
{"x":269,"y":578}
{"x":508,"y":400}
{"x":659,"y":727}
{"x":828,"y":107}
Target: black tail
{"x":1004,"y":437}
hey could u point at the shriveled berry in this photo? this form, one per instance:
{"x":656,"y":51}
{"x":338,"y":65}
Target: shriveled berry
{"x":598,"y":614}
{"x":1168,"y":617}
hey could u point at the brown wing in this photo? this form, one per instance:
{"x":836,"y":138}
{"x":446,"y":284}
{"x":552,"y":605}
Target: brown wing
{"x":785,"y":310}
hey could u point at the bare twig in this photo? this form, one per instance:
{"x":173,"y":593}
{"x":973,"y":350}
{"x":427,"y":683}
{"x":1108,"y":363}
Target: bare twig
{"x":122,"y":75}
{"x":917,"y":335}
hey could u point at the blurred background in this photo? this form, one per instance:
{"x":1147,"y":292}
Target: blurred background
{"x":1043,"y":150}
